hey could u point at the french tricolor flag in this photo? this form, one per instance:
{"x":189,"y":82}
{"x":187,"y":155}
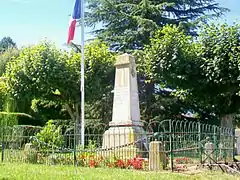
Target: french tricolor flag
{"x":76,"y":14}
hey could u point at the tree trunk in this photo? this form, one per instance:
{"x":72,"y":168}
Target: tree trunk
{"x":75,"y":116}
{"x":70,"y":111}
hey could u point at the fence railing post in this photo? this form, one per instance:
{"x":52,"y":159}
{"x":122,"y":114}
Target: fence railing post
{"x":199,"y":142}
{"x":214,"y":142}
{"x":2,"y":152}
{"x":157,"y":156}
{"x":2,"y":143}
{"x":171,"y":148}
{"x":74,"y":146}
{"x":233,"y":139}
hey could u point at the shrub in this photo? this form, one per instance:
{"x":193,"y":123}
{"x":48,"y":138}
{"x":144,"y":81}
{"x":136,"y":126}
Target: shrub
{"x":49,"y":137}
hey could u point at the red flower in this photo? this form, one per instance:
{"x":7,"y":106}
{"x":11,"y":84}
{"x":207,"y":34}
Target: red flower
{"x":130,"y":162}
{"x":120,"y":163}
{"x":136,"y":163}
{"x":92,"y":163}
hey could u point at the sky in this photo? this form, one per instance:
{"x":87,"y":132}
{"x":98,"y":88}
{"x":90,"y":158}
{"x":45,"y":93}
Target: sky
{"x":30,"y":21}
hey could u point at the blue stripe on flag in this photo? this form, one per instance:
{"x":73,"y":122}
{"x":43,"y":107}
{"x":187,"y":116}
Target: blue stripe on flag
{"x":77,"y":10}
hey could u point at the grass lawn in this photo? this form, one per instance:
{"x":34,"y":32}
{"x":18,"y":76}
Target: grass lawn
{"x":9,"y":171}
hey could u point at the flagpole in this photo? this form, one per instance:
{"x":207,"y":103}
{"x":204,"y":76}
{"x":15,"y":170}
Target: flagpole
{"x":82,"y":73}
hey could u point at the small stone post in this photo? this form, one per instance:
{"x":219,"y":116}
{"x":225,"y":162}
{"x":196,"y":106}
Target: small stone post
{"x":209,"y":150}
{"x":157,"y":158}
{"x":237,"y":145}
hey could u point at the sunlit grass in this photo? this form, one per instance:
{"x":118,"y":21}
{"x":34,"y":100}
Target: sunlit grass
{"x":32,"y":172}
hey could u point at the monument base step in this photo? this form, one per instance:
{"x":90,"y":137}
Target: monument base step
{"x":120,"y":136}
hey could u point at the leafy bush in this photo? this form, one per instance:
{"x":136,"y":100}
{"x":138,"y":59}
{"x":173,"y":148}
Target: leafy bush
{"x":49,"y":137}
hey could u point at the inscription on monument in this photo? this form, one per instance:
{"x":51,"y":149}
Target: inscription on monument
{"x":122,"y":79}
{"x":120,"y":108}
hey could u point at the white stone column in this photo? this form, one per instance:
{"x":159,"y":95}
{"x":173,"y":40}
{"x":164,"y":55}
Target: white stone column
{"x":126,"y":109}
{"x":125,"y":126}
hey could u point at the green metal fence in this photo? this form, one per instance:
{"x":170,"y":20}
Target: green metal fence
{"x":197,"y":142}
{"x":185,"y":142}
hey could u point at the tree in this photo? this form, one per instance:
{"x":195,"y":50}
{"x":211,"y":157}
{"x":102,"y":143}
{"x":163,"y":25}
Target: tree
{"x":43,"y":110}
{"x":2,"y":93}
{"x":205,"y":71}
{"x":46,"y":73}
{"x":5,"y":57}
{"x":7,"y":43}
{"x":128,"y":25}
{"x":7,"y":104}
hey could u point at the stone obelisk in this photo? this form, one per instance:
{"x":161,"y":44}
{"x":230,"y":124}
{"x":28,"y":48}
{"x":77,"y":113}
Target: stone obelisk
{"x":125,"y":127}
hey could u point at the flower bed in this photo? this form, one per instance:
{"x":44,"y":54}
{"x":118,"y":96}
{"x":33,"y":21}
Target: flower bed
{"x":182,"y":163}
{"x":183,"y":160}
{"x":99,"y":161}
{"x":94,"y":161}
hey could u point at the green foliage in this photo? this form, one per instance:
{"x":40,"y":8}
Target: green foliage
{"x":7,"y":118}
{"x":158,"y":65}
{"x":7,"y":43}
{"x":91,"y":146}
{"x":172,"y":56}
{"x":3,"y":93}
{"x":45,"y":110}
{"x":44,"y":72}
{"x":49,"y":137}
{"x":99,"y":63}
{"x":220,"y":56}
{"x":38,"y":71}
{"x":130,"y":24}
{"x":204,"y":71}
{"x":5,"y":57}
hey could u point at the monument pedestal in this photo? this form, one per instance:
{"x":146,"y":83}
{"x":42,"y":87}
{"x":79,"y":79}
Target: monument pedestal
{"x":125,"y":127}
{"x":123,"y":136}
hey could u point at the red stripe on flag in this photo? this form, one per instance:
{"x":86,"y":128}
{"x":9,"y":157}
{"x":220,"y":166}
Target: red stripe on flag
{"x":71,"y":30}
